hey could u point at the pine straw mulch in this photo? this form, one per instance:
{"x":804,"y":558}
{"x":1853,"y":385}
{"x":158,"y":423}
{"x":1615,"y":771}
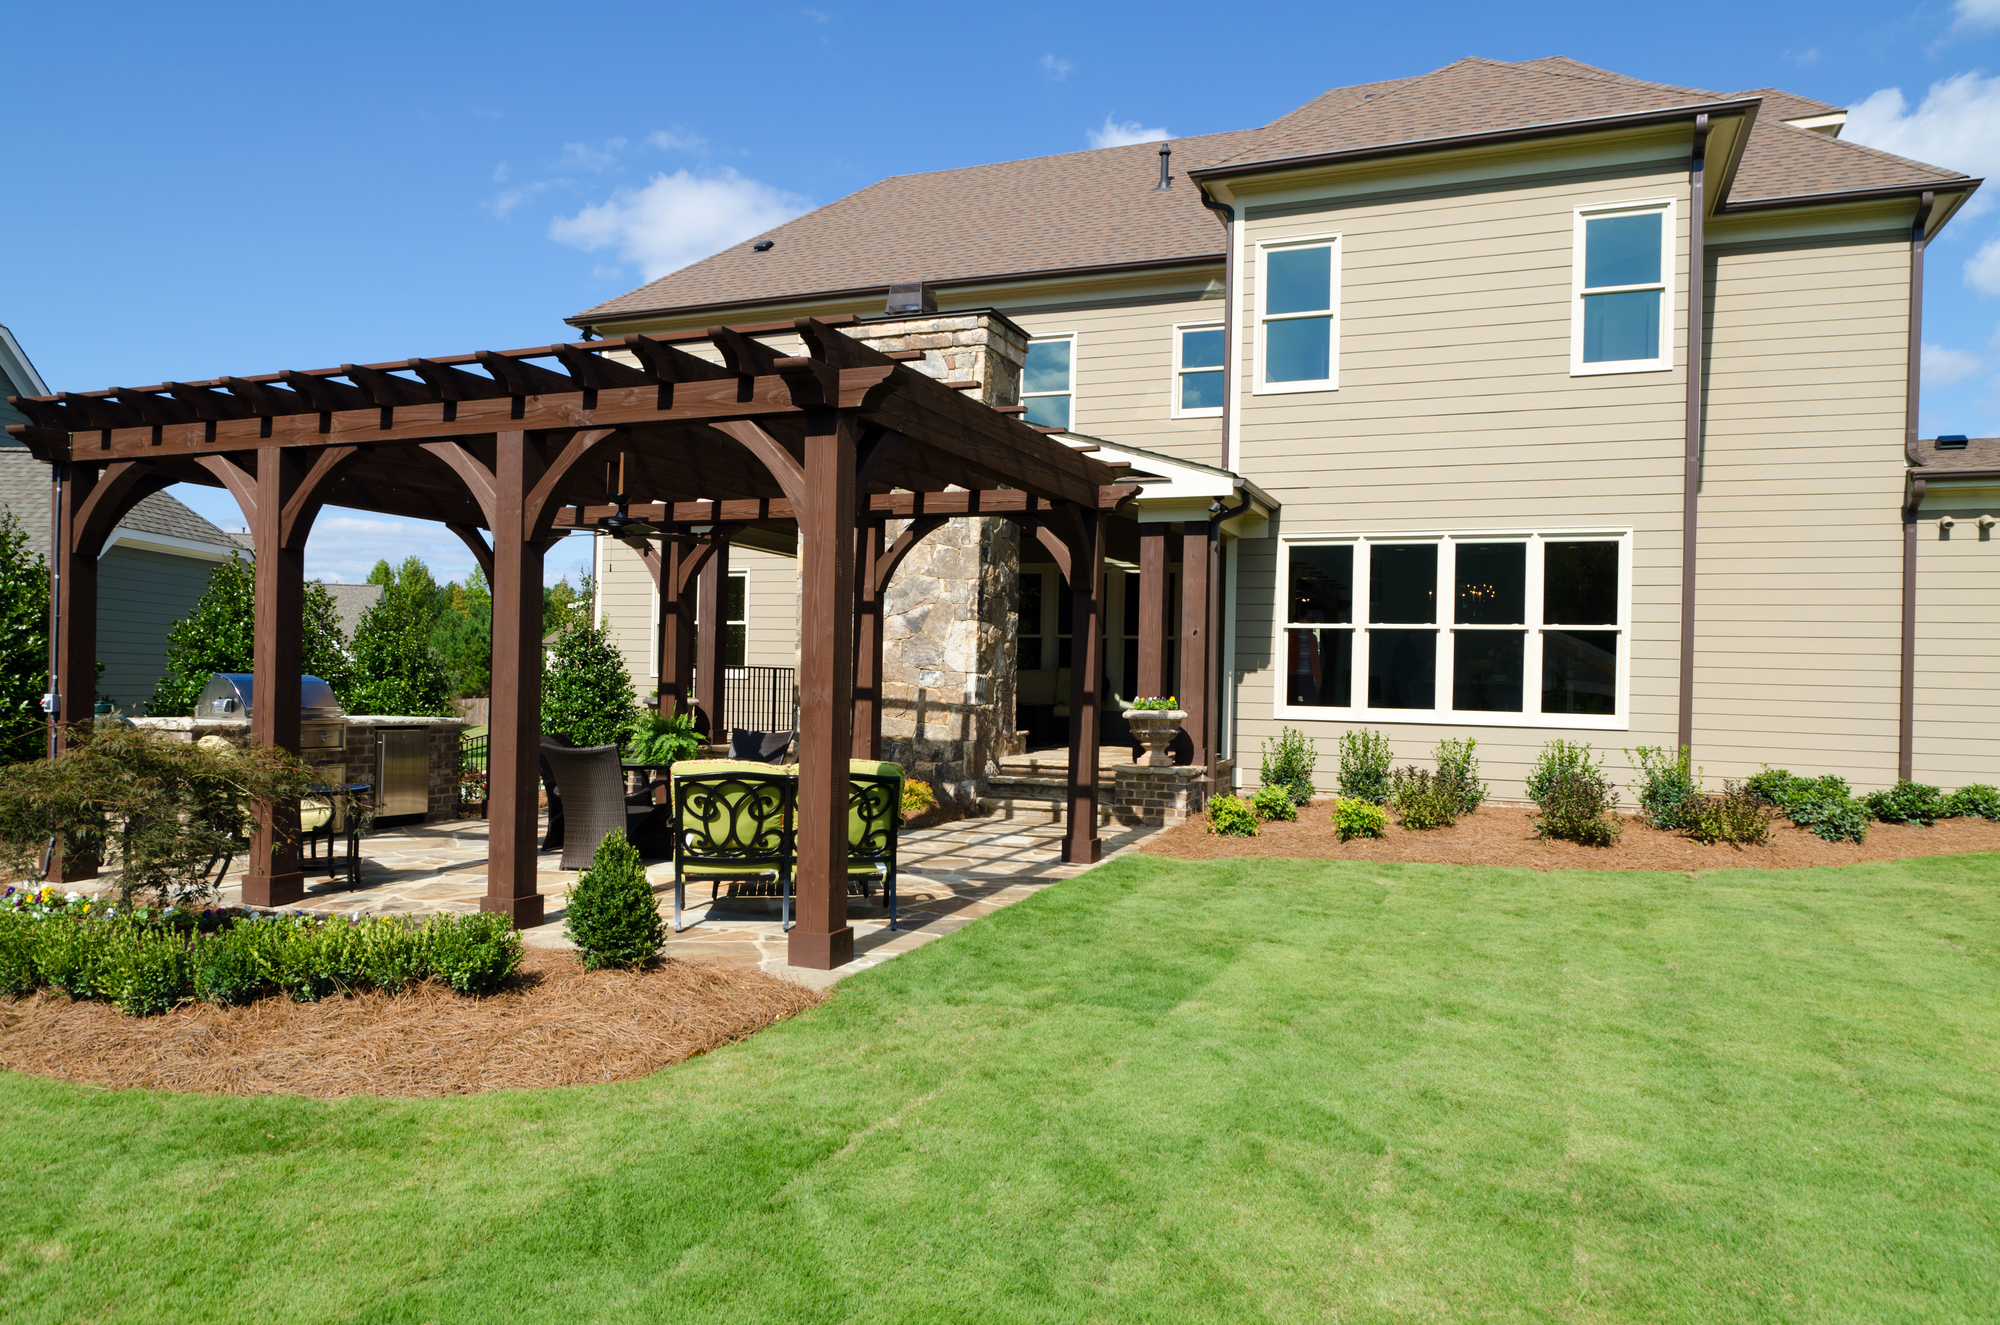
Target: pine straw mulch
{"x":553,"y":1024}
{"x":1505,"y":835}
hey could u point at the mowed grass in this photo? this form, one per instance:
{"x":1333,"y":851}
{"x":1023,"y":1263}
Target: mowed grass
{"x":1164,"y":1091}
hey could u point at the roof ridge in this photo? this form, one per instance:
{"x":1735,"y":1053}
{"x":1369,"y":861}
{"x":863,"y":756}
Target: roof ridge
{"x":1046,"y":156}
{"x":1592,"y":73}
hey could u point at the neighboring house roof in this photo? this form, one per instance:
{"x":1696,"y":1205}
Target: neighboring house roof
{"x":1101,"y":210}
{"x":159,"y":520}
{"x":17,"y":378}
{"x":162,"y":514}
{"x":351,"y":600}
{"x":1979,"y":453}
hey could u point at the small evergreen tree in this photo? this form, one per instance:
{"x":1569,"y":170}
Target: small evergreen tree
{"x":218,"y":636}
{"x":586,"y":691}
{"x":24,"y":644}
{"x":396,"y":667}
{"x":463,"y":636}
{"x":611,"y":915}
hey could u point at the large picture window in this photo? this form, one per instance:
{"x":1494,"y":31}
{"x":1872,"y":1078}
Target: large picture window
{"x":1516,"y":629}
{"x":1622,"y":321}
{"x":1298,"y":301}
{"x":1048,"y":383}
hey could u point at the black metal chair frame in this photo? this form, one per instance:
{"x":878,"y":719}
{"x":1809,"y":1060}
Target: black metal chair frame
{"x":722,"y":806}
{"x":878,"y":799}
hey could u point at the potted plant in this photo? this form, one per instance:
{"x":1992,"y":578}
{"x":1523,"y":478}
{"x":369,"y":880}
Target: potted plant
{"x":1155,"y":719}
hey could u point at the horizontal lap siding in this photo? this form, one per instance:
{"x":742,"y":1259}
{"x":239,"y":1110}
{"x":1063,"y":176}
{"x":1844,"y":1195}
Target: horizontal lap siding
{"x":1958,"y":645}
{"x":625,"y":609}
{"x":771,"y":607}
{"x":1799,"y":584}
{"x":1457,"y":413}
{"x":140,"y":595}
{"x":626,"y":599}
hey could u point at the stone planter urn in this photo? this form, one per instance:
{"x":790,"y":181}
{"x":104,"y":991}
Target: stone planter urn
{"x":1155,"y":729}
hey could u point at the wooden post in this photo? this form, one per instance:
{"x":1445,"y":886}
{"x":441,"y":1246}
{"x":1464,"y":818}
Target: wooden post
{"x":821,"y":938}
{"x":1195,"y":682}
{"x":273,"y":878}
{"x":868,"y":541}
{"x":1081,"y":845}
{"x":674,"y":646}
{"x":514,"y":748}
{"x":1152,"y":677}
{"x":711,"y":635}
{"x":73,"y":644}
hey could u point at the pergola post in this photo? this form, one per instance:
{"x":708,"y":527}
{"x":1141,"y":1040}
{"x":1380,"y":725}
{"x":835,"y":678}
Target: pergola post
{"x":674,"y":646}
{"x":868,"y":540}
{"x":1081,"y":845}
{"x":711,"y":634}
{"x":1152,"y":673}
{"x":1196,"y":685}
{"x":73,"y":644}
{"x":516,"y":722}
{"x":821,"y":938}
{"x":273,"y":878}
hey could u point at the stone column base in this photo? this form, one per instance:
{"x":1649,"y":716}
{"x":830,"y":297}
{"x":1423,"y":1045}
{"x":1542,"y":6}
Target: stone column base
{"x":1155,"y":797}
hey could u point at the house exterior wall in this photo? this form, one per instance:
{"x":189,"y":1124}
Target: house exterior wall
{"x":141,"y":593}
{"x":1957,"y":736}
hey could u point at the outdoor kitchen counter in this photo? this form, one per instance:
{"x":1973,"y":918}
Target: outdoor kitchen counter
{"x":356,"y":763}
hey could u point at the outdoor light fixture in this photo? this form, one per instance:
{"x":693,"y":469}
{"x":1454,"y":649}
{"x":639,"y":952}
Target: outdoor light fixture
{"x":1945,"y":523}
{"x":1987,"y":522}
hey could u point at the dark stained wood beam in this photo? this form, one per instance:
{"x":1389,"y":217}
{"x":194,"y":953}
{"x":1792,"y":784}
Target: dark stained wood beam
{"x":668,"y":363}
{"x":387,"y":389}
{"x":522,"y":378}
{"x":324,"y":394}
{"x":455,"y":384}
{"x":894,"y":505}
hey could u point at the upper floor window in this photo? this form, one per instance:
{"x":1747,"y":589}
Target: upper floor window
{"x":1298,"y":297}
{"x":1048,"y":383}
{"x":1198,"y":384}
{"x":1622,"y":317}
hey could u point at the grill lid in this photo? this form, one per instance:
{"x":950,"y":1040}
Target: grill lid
{"x":230,"y":695}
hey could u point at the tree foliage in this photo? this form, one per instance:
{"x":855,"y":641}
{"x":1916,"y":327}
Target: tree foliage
{"x":397,"y":667}
{"x":24,"y":644}
{"x":219,"y":636}
{"x":463,"y":636}
{"x":586,"y":691}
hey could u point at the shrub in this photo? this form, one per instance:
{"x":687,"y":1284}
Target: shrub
{"x":1734,"y":816}
{"x":1976,"y":799}
{"x":1557,"y":759}
{"x":1575,"y":797}
{"x":229,"y":968}
{"x":586,"y":691}
{"x":1228,"y":816}
{"x":917,"y":797}
{"x":655,"y":739}
{"x":1769,"y":786}
{"x":613,"y":917}
{"x":70,"y":955}
{"x":474,"y":954}
{"x":1822,"y":806}
{"x":1291,"y":765}
{"x":150,"y":969}
{"x":1274,"y":803}
{"x":1458,"y":771}
{"x":1364,"y":766}
{"x":1907,"y":803}
{"x":1669,"y":790}
{"x":24,"y":643}
{"x":17,"y":953}
{"x":1354,"y":817}
{"x":1422,"y":799}
{"x":391,"y":955}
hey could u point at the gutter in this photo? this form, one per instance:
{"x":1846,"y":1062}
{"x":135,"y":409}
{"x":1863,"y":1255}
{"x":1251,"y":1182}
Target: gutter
{"x":1227,"y":215}
{"x":1906,"y":715}
{"x":1959,"y":189}
{"x":1697,"y":281}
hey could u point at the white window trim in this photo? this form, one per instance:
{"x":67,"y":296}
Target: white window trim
{"x":1531,"y":662}
{"x":1027,"y":395}
{"x":1174,"y":386}
{"x":1669,"y":250}
{"x":744,"y":620}
{"x":1331,"y":382}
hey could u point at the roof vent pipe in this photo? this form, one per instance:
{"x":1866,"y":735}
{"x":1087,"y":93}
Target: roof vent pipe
{"x":1166,"y":176}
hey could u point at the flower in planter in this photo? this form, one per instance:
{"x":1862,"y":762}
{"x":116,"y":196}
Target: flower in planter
{"x":1155,"y":704}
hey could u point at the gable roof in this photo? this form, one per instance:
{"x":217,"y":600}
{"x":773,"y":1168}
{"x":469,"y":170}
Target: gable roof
{"x":1100,"y":210}
{"x":162,"y":514}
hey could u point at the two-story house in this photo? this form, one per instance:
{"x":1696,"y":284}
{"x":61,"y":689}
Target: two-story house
{"x":1531,"y":401}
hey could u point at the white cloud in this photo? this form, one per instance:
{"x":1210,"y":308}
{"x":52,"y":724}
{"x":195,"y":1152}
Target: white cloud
{"x":1943,"y":367}
{"x":500,"y":173}
{"x":1054,"y":69}
{"x":1957,"y":126}
{"x":677,"y":219}
{"x":508,"y":199}
{"x":1975,"y":16}
{"x":676,"y":140}
{"x":1982,"y":269}
{"x":597,"y":160}
{"x":1117,"y":133}
{"x":1803,"y":55}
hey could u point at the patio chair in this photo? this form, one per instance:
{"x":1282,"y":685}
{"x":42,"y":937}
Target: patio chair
{"x":874,"y":816}
{"x":595,"y":802}
{"x":553,"y":838}
{"x":732,"y":822}
{"x":759,"y":747}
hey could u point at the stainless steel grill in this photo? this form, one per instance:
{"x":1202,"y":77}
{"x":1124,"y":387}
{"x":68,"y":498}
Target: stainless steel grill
{"x":229,"y":697}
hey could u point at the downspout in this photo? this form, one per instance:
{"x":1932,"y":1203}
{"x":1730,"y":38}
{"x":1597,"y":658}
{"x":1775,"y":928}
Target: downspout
{"x":1906,"y":717}
{"x":1218,"y":512}
{"x":1691,"y":471}
{"x":1227,"y":215}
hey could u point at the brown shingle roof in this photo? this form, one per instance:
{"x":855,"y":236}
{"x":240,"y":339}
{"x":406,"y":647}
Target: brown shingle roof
{"x":1099,"y":209}
{"x":1979,"y":453}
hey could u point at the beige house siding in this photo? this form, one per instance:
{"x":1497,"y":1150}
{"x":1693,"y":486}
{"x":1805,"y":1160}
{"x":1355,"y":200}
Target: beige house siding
{"x":1957,"y":737}
{"x":1456,"y":412}
{"x":771,"y":601}
{"x":1799,"y":580}
{"x":625,"y":608}
{"x":628,"y":605}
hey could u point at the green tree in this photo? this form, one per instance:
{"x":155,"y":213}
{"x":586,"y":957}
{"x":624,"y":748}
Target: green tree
{"x":24,"y":644}
{"x":396,"y":665}
{"x":565,"y":605}
{"x":463,"y":636}
{"x":218,"y":636}
{"x":586,"y":691}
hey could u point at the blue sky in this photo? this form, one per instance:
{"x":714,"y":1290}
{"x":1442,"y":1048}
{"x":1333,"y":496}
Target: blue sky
{"x":237,"y":189}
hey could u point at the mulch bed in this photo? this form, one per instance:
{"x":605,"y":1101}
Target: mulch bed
{"x":1505,"y":835}
{"x":553,"y":1024}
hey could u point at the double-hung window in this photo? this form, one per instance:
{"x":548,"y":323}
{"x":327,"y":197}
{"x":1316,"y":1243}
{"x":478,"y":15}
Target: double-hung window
{"x":736,"y":621}
{"x":1621,"y":320}
{"x":1048,"y":384}
{"x":1298,"y":317}
{"x":1198,"y":384}
{"x":1486,"y":629}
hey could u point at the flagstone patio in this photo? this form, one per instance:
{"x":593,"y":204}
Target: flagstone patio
{"x":950,"y":876}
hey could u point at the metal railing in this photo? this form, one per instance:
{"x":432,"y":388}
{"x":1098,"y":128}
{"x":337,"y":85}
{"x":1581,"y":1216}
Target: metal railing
{"x":473,"y":767}
{"x":761,"y":699}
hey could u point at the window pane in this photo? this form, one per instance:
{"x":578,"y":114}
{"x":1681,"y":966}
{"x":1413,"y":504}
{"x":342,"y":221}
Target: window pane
{"x":1579,"y":671}
{"x":1402,"y":669}
{"x":733,"y":608}
{"x":1486,"y":670}
{"x":1298,"y":350}
{"x":1300,"y":280}
{"x":1621,"y":326}
{"x":1492,"y":584}
{"x":1580,"y":584}
{"x":1201,"y":390}
{"x":1047,"y":411}
{"x":1402,"y":583}
{"x":1201,"y":349}
{"x":734,"y":646}
{"x":1319,"y":668}
{"x":1322,"y":586}
{"x":1048,"y":366}
{"x":1622,"y":250}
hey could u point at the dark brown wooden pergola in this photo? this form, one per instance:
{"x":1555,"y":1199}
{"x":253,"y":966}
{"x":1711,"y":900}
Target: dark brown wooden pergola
{"x":542,"y":441}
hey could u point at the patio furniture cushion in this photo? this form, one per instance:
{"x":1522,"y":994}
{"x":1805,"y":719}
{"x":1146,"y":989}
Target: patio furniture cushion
{"x":759,"y":747}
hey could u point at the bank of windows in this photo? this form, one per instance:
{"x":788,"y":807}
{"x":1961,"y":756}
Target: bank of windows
{"x":1048,"y":382}
{"x":1622,"y":306}
{"x":1198,"y":384}
{"x":1298,"y":319}
{"x":1481,"y":629}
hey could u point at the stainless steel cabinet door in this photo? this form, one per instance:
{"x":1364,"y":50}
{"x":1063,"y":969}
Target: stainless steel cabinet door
{"x":403,"y":770}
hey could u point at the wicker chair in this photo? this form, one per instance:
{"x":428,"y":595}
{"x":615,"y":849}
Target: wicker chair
{"x":595,"y":802}
{"x":731,"y":824}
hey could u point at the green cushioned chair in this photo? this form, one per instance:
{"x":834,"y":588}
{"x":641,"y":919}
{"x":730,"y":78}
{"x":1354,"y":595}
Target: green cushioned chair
{"x":732,"y":822}
{"x":874,"y":814}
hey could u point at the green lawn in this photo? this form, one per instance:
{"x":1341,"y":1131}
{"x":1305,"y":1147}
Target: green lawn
{"x":1167,"y":1092}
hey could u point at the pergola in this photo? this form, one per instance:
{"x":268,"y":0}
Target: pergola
{"x":637,"y":437}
